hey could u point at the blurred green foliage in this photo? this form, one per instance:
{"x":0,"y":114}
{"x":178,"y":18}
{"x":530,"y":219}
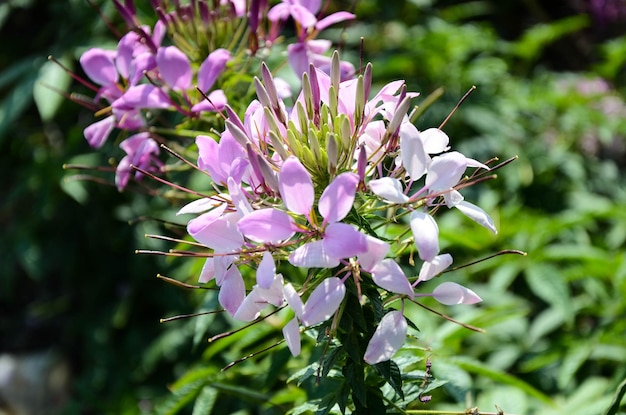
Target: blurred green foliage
{"x":550,"y":90}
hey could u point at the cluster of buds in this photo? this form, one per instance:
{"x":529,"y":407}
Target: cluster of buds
{"x":312,"y":187}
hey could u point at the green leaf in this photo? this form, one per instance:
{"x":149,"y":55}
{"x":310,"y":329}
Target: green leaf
{"x":481,"y":369}
{"x":355,"y":377}
{"x":547,"y":283}
{"x":205,"y":401}
{"x":390,"y":371}
{"x":572,"y":361}
{"x":617,"y":400}
{"x":539,"y":36}
{"x":51,"y":75}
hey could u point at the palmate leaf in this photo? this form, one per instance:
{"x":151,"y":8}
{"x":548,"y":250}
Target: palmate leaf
{"x":390,"y":371}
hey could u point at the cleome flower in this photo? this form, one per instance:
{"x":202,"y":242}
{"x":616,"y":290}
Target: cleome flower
{"x":296,"y":186}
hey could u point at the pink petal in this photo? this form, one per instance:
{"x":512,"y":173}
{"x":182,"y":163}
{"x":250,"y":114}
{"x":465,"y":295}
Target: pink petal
{"x":212,"y":68}
{"x":313,"y":255}
{"x":293,"y":299}
{"x":376,"y":251}
{"x":143,"y":96}
{"x":208,"y":157}
{"x":267,"y":225}
{"x":302,"y":15}
{"x":445,"y":171}
{"x":99,"y":66}
{"x":216,"y":230}
{"x":332,"y":19}
{"x":296,"y":187}
{"x":266,"y":271}
{"x":426,"y":235}
{"x":435,"y":267}
{"x":232,"y":291}
{"x":451,"y":293}
{"x":174,"y":67}
{"x":389,"y":276}
{"x":323,"y":301}
{"x":291,"y":332}
{"x":387,"y":339}
{"x":344,"y":241}
{"x":97,"y":133}
{"x":337,"y":199}
{"x":216,"y":102}
{"x":389,"y":189}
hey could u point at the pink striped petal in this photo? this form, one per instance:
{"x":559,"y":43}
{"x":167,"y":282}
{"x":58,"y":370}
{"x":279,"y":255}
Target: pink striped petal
{"x":387,"y":339}
{"x":337,"y":199}
{"x":323,"y":301}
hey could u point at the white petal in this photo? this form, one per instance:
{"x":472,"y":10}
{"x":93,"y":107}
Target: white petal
{"x":435,"y":267}
{"x":250,"y":308}
{"x":323,"y":301}
{"x":477,"y":215}
{"x":426,"y":234}
{"x":414,"y":158}
{"x":389,"y":276}
{"x":389,"y":189}
{"x":435,"y":141}
{"x":291,"y":332}
{"x":313,"y":255}
{"x":266,"y":271}
{"x":387,"y":339}
{"x":293,"y":299}
{"x":376,"y":251}
{"x":451,"y":293}
{"x":198,"y":206}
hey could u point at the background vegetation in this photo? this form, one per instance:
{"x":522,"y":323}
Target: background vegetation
{"x":550,"y":89}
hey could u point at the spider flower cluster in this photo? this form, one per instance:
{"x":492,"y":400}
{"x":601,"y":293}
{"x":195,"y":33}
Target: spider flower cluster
{"x":311,"y":184}
{"x":176,"y":67}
